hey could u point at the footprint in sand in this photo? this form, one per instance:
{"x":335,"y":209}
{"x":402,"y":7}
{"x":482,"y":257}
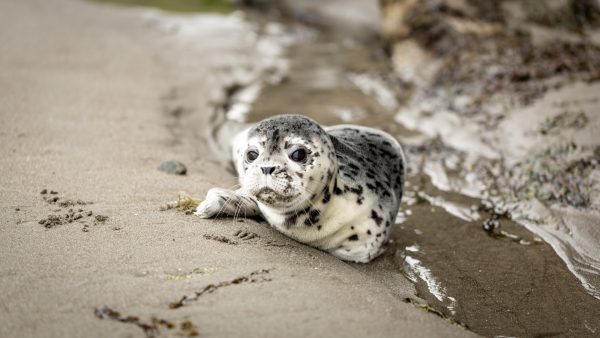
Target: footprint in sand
{"x":69,"y":211}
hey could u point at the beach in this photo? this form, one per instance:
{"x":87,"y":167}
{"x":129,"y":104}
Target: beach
{"x":93,"y":99}
{"x":115,"y":119}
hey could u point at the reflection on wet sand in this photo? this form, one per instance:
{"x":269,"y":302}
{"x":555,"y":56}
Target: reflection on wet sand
{"x":498,"y":279}
{"x":498,"y":224}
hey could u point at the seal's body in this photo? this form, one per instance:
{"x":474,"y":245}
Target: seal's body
{"x":337,"y":189}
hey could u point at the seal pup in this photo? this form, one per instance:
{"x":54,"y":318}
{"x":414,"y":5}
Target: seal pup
{"x":335,"y":188}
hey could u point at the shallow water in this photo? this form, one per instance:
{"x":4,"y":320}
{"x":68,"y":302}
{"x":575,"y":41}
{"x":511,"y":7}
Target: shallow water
{"x":502,"y":282}
{"x":548,"y":169}
{"x":508,"y":282}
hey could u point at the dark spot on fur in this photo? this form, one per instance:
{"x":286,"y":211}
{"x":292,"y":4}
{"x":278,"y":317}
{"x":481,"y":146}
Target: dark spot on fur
{"x":329,"y":175}
{"x":326,"y":195}
{"x":375,"y":216}
{"x":274,"y":140}
{"x":313,"y":217}
{"x":358,"y":190}
{"x":353,"y":237}
{"x":291,"y":220}
{"x":368,"y":232}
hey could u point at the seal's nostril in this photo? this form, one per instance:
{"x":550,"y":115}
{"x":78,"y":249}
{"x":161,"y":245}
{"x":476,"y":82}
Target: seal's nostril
{"x":267,"y":170}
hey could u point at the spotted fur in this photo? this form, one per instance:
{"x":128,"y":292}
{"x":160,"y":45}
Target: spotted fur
{"x":342,"y":198}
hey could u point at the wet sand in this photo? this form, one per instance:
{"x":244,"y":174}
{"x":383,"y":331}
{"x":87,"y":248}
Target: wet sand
{"x":119,"y":90}
{"x":506,"y":282}
{"x":93,"y":99}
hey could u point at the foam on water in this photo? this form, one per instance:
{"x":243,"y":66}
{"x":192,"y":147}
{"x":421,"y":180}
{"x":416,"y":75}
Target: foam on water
{"x":573,"y":233}
{"x":415,"y":270}
{"x":418,"y":270}
{"x":462,"y":212}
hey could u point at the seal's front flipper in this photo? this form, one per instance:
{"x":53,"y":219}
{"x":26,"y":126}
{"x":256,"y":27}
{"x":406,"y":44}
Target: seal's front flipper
{"x":361,"y":254}
{"x":221,"y":202}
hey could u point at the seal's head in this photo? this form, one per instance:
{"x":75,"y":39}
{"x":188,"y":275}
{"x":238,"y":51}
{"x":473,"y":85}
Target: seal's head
{"x":286,"y":162}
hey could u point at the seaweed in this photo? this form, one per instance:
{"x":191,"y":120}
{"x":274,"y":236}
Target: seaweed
{"x":151,"y":328}
{"x":185,"y":203}
{"x":560,"y":174}
{"x":253,"y":277}
{"x":428,"y":308}
{"x":573,"y":15}
{"x":564,"y":120}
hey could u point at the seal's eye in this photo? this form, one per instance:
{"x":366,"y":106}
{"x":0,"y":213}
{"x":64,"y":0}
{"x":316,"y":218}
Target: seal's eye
{"x":251,"y":155}
{"x":299,"y":155}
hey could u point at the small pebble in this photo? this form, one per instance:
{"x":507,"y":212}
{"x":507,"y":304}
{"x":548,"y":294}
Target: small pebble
{"x":491,"y":224}
{"x":44,"y":192}
{"x":173,"y":167}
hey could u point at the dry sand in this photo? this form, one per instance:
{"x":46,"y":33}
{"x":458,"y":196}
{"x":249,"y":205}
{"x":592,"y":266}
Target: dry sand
{"x":92,"y":99}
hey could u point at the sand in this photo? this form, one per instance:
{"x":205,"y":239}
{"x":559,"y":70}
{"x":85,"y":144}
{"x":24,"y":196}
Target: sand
{"x":93,"y":99}
{"x":507,"y":282}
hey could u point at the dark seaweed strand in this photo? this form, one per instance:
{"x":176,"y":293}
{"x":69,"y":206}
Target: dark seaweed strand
{"x":253,"y":277}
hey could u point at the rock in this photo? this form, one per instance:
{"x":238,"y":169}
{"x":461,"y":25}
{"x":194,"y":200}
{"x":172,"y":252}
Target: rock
{"x":173,"y":167}
{"x":491,"y":224}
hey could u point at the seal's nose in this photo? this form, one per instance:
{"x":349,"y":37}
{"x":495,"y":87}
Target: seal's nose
{"x":267,"y":170}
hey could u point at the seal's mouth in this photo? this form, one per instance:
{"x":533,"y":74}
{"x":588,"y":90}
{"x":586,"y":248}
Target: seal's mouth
{"x":270,"y":196}
{"x":266,"y":190}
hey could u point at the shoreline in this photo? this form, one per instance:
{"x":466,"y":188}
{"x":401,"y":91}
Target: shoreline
{"x":119,"y":90}
{"x":440,"y":242}
{"x":110,"y":100}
